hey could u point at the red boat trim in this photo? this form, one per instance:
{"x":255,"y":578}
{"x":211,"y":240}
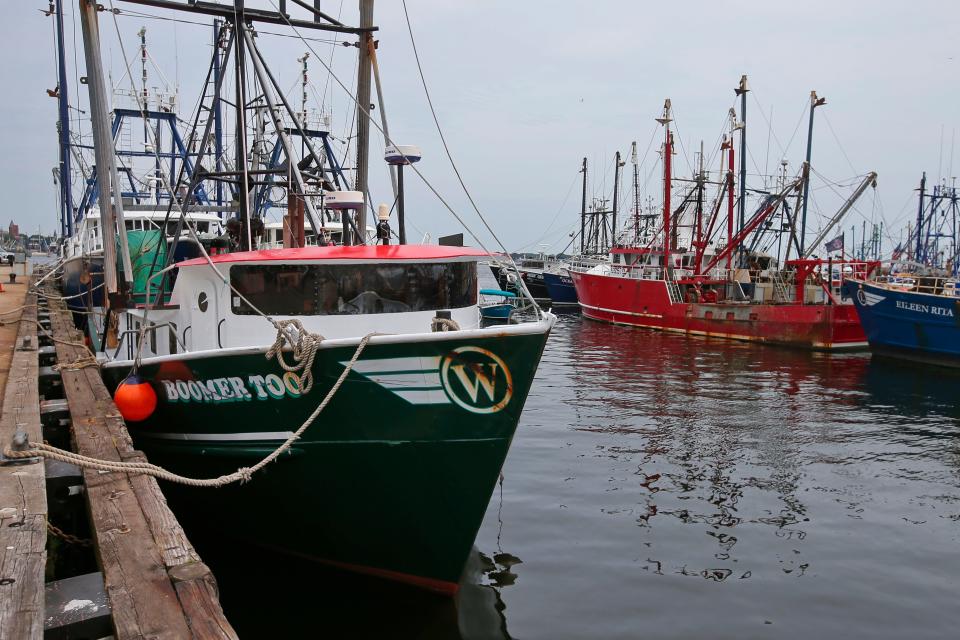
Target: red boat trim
{"x":370,"y":253}
{"x":430,"y":584}
{"x":444,"y":587}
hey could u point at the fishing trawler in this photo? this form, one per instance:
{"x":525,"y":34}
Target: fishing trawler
{"x":910,"y":313}
{"x":911,"y":321}
{"x":729,"y":290}
{"x":415,"y":403}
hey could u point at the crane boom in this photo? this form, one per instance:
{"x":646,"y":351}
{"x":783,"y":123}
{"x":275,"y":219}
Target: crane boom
{"x":871,"y":178}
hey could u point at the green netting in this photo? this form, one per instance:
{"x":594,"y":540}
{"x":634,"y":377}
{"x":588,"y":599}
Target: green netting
{"x":147,"y":249}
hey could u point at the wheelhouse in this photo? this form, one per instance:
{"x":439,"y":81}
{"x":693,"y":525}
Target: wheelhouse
{"x":337,"y":292}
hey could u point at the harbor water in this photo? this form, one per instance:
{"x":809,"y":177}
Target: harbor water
{"x":662,"y":486}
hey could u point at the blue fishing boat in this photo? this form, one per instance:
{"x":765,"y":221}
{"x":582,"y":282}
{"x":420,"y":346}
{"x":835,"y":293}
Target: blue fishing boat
{"x":913,"y":318}
{"x":500,"y":308}
{"x":560,"y":287}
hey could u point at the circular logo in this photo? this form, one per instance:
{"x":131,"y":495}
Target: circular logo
{"x":476,"y":379}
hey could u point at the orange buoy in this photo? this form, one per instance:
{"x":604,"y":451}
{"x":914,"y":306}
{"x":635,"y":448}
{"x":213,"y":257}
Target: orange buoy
{"x":135,"y":399}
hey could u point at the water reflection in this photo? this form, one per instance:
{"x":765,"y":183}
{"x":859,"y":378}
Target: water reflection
{"x":668,"y":486}
{"x":268,"y":595}
{"x":721,"y":436}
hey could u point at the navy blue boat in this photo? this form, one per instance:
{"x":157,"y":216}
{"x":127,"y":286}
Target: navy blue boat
{"x":83,"y":282}
{"x":530,"y":272}
{"x":910,"y":318}
{"x":561,"y":289}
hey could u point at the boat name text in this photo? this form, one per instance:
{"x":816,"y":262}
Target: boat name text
{"x":233,"y":389}
{"x":925,"y":308}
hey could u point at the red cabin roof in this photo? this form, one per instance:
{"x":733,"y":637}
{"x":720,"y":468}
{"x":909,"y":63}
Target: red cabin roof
{"x":366,"y":253}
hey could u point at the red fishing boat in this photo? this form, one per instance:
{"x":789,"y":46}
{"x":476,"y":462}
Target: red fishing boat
{"x":727,"y":289}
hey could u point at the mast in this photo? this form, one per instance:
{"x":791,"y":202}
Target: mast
{"x":240,"y":64}
{"x":363,"y":113}
{"x":303,"y":88}
{"x":700,"y":185}
{"x":583,"y":207}
{"x":814,"y":103}
{"x":103,"y":145}
{"x":394,"y":169}
{"x":63,"y":102}
{"x":741,"y":91}
{"x":731,"y":165}
{"x":667,"y":159}
{"x":636,"y":193}
{"x":919,"y":230}
{"x":217,"y":112}
{"x":616,"y":189}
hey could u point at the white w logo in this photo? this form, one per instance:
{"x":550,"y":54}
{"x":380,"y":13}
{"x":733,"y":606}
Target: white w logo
{"x":480,"y":379}
{"x":485,"y":368}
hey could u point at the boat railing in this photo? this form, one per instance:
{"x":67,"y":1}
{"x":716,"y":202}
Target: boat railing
{"x":948,"y":287}
{"x":134,"y":341}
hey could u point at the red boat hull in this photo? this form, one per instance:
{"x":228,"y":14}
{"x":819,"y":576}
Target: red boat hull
{"x":647,"y":303}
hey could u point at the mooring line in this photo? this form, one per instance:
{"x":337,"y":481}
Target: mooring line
{"x":243,"y":474}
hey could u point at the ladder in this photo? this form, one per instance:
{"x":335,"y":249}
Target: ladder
{"x":673,"y":289}
{"x":780,"y":292}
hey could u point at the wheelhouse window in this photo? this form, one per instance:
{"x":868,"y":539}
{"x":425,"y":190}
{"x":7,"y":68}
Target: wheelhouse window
{"x":352,"y":289}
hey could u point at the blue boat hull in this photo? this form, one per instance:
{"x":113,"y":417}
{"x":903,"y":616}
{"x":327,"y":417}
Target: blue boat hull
{"x":83,"y":275}
{"x":496,"y":311}
{"x":907,"y":324}
{"x":533,"y":280}
{"x":561,"y":289}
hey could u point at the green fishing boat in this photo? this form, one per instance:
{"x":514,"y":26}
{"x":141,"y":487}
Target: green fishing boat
{"x":396,"y":473}
{"x":352,"y":386}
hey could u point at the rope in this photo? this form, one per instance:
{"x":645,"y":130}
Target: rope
{"x":444,"y":324}
{"x":242,"y":474}
{"x":80,"y":363}
{"x":21,"y":308}
{"x":49,"y":334}
{"x":50,"y":296}
{"x":304,"y":345}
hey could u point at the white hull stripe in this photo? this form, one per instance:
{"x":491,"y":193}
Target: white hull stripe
{"x":397,"y":365}
{"x":423,"y":396}
{"x":250,"y":436}
{"x":415,"y":379}
{"x":400,"y":381}
{"x":626,"y":313}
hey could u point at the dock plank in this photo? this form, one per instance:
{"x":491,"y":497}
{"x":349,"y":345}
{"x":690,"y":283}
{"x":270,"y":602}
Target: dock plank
{"x":23,"y":498}
{"x":157,"y":585}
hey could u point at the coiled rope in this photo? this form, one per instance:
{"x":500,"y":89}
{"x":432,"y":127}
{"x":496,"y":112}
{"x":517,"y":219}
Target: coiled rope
{"x":243,"y":474}
{"x":304,"y":345}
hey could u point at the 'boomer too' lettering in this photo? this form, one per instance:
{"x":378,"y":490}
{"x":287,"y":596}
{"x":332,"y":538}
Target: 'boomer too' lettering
{"x":233,"y":389}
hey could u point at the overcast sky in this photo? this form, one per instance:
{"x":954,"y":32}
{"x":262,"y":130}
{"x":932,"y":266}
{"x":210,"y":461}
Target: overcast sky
{"x":525,"y":90}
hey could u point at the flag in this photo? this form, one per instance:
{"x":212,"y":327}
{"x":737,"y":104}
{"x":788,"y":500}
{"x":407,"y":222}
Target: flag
{"x":835,"y":245}
{"x":898,"y":252}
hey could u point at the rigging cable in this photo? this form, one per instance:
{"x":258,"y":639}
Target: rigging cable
{"x":443,"y":139}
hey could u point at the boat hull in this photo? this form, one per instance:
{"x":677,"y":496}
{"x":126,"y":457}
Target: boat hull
{"x":647,"y":303}
{"x":392,"y":479}
{"x":908,"y":325}
{"x":83,"y":282}
{"x":533,"y":280}
{"x":560,"y":289}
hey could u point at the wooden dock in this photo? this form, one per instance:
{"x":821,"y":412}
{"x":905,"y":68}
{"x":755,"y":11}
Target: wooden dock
{"x":151,"y":580}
